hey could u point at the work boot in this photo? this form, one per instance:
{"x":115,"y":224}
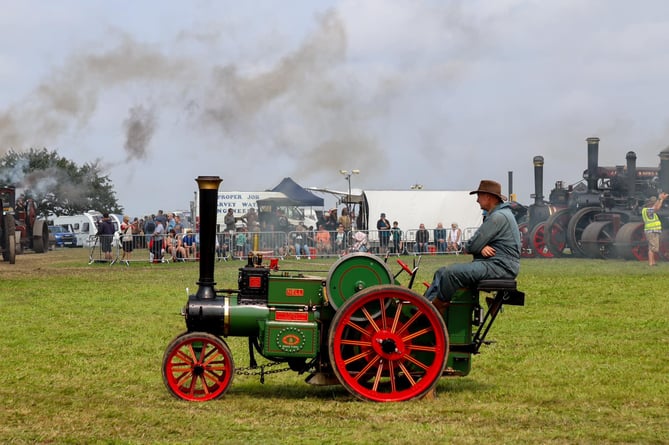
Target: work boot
{"x":492,"y":306}
{"x":440,"y":304}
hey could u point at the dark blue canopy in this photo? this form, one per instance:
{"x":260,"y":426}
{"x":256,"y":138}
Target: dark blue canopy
{"x":295,"y":195}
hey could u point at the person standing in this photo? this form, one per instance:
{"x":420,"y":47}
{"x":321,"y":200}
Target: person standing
{"x":495,"y":247}
{"x":160,"y":216}
{"x":127,"y":230}
{"x":149,"y":227}
{"x":106,"y":235}
{"x":229,"y":220}
{"x":345,"y":219}
{"x":383,"y":226}
{"x":652,"y":226}
{"x":157,"y":246}
{"x":397,"y":239}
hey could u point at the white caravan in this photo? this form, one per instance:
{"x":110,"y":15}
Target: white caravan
{"x":84,"y":225}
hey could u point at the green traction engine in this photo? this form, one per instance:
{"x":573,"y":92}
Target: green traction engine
{"x":356,"y":327}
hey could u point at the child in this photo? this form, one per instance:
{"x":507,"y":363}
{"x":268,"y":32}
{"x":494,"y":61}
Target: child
{"x":396,"y":236}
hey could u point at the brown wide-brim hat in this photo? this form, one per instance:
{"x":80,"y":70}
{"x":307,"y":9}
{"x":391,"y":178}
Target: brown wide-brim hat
{"x":490,"y":187}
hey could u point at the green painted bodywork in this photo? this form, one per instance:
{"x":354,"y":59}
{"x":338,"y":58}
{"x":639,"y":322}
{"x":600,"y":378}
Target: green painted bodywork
{"x":458,"y":317}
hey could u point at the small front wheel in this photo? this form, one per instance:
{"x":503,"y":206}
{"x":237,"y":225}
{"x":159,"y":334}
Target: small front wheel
{"x":197,"y":367}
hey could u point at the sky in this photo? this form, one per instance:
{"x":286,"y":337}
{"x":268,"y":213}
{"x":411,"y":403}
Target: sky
{"x":438,"y":93}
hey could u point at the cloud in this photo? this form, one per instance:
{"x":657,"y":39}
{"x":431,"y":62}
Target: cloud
{"x":437,"y":93}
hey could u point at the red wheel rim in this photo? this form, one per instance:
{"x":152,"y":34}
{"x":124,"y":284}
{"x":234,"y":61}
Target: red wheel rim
{"x":388,"y":344}
{"x":198,"y":367}
{"x":538,"y":241}
{"x":555,"y":231}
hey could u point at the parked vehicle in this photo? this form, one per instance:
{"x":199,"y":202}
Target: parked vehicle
{"x":62,"y":236}
{"x":85,"y":226}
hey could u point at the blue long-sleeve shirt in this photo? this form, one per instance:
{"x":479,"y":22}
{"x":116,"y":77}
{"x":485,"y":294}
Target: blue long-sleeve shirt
{"x":500,"y":231}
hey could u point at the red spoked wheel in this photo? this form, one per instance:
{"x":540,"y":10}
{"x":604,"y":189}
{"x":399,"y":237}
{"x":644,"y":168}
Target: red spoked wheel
{"x":538,"y":241}
{"x":197,"y":367}
{"x":388,"y":344}
{"x":555,"y":232}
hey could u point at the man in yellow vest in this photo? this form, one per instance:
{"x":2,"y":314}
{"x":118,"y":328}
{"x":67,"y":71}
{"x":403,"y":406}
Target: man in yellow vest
{"x":652,"y":226}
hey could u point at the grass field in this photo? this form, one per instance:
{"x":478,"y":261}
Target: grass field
{"x":584,"y":361}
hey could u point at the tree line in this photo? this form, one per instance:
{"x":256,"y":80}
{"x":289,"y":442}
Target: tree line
{"x":58,"y":185}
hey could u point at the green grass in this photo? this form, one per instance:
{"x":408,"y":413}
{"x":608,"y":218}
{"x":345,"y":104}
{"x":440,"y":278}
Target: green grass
{"x":585,"y":361}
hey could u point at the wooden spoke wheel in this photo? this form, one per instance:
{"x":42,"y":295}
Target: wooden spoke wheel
{"x":598,"y":240}
{"x":577,"y":224}
{"x":538,"y":241}
{"x":555,"y":232}
{"x":197,"y":367}
{"x":388,"y":344}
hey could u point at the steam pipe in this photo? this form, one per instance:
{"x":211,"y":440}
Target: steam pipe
{"x":208,"y":186}
{"x":593,"y":161}
{"x":538,"y":180}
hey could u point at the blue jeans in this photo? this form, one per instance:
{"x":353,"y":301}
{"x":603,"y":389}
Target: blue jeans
{"x":449,"y":279}
{"x":302,"y":249}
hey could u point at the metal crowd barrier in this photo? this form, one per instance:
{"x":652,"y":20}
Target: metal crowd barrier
{"x":237,"y":245}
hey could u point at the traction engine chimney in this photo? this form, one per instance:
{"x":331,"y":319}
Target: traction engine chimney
{"x":538,"y":180}
{"x":208,"y":186}
{"x":593,"y":160}
{"x":511,"y":195}
{"x":631,"y":176}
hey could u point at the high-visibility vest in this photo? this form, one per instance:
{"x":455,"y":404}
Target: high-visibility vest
{"x":651,"y":222}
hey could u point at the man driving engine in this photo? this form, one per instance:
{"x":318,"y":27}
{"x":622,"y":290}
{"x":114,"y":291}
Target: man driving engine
{"x":495,"y":247}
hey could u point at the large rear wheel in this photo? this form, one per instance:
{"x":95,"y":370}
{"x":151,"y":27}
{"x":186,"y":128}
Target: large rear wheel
{"x":556,"y":232}
{"x":577,"y":224}
{"x":388,"y":344}
{"x":197,"y":367}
